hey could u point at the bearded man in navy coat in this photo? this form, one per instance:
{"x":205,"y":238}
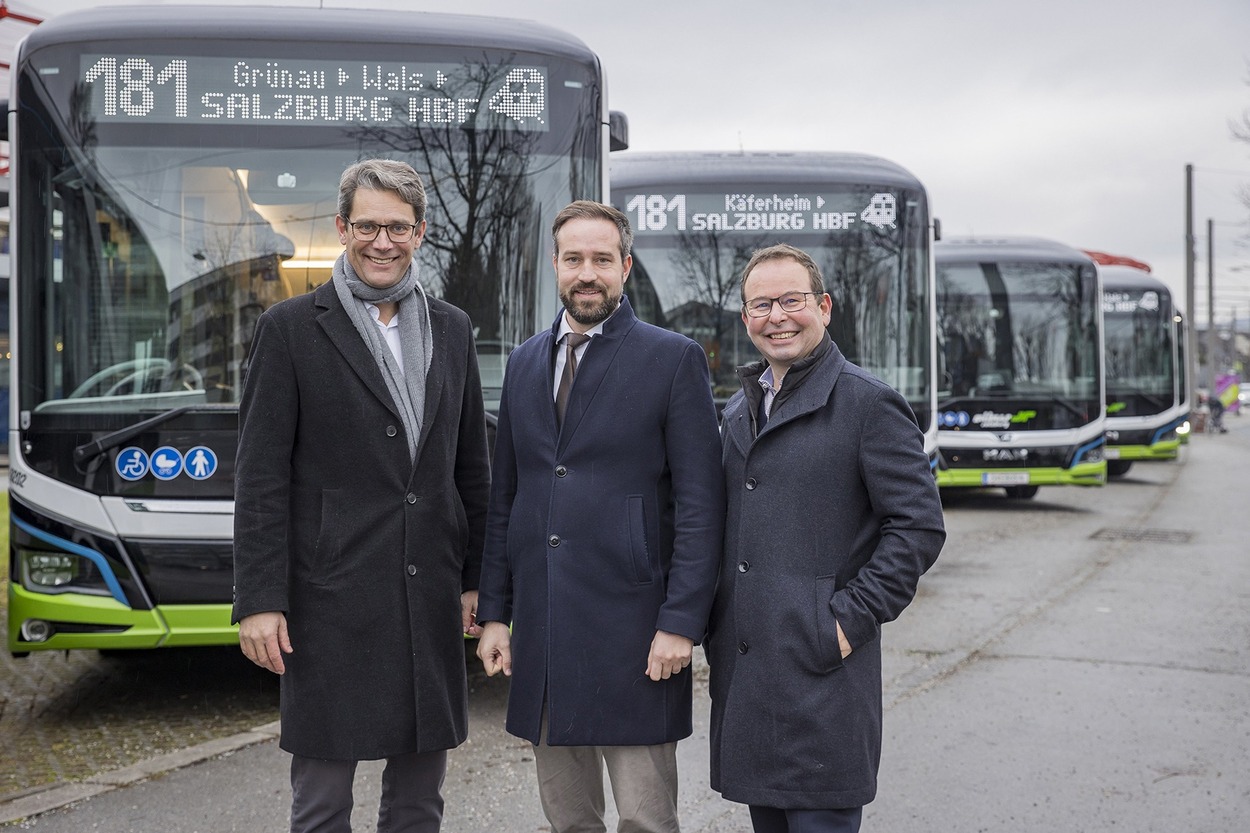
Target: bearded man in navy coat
{"x":603,"y":538}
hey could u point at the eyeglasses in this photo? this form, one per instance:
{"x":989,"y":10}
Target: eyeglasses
{"x":763,"y":307}
{"x":397,"y":232}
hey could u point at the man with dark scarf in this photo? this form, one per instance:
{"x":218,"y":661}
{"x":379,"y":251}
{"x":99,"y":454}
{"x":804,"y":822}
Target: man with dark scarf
{"x":832,"y":517}
{"x":361,"y":485}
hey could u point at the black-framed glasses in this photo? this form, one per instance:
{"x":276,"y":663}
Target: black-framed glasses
{"x":763,"y":307}
{"x":397,"y":232}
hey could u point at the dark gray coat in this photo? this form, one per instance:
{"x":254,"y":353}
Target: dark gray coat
{"x":604,"y":532}
{"x":833,"y":515}
{"x":366,"y":553}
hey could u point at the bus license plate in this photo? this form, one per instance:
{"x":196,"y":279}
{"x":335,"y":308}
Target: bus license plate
{"x":1111,"y":453}
{"x":1005,"y":478}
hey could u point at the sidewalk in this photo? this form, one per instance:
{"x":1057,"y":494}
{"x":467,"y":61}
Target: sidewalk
{"x":1123,"y":702}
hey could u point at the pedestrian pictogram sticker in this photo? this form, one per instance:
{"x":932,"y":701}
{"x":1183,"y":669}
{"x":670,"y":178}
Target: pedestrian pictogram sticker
{"x":201,"y":462}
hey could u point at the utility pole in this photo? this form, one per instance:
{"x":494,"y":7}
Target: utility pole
{"x":1191,"y":340}
{"x":1212,"y":366}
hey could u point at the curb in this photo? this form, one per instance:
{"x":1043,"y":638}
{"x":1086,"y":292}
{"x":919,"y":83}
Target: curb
{"x":53,"y":797}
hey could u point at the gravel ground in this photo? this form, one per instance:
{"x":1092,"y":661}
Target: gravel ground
{"x":68,"y":716}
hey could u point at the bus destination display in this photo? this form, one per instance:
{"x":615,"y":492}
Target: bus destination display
{"x":755,"y":211}
{"x":1119,"y":300}
{"x":174,"y":90}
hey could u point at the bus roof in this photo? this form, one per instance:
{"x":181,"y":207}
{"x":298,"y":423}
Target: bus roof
{"x":287,"y":23}
{"x":714,"y":168}
{"x":1126,"y":277}
{"x":1015,"y":249}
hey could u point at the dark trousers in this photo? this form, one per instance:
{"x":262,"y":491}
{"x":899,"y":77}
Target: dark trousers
{"x":772,"y":820}
{"x":412,"y":800}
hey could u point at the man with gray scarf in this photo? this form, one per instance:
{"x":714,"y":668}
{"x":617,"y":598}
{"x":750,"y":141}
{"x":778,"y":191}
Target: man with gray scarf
{"x":360,"y":501}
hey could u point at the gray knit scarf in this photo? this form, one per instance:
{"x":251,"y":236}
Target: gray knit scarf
{"x":407,"y":388}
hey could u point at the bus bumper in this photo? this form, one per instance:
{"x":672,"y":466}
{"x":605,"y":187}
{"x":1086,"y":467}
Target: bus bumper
{"x":74,"y":621}
{"x":1165,"y":450}
{"x":1082,"y":474}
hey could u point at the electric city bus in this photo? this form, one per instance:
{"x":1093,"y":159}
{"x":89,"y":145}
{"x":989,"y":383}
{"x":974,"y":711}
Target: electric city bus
{"x":1147,"y":401}
{"x":697,"y":218}
{"x":1020,"y":403}
{"x":175,"y":174}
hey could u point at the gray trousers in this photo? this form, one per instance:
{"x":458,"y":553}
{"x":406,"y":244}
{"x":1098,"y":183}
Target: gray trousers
{"x":644,"y":785}
{"x":412,"y":801}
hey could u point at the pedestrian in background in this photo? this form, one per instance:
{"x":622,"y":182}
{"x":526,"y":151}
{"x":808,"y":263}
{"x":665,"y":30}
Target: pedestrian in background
{"x":360,"y":502}
{"x":603,"y":538}
{"x":833,"y":516}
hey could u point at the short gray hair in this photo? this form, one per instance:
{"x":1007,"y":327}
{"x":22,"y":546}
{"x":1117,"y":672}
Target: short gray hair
{"x":382,"y":175}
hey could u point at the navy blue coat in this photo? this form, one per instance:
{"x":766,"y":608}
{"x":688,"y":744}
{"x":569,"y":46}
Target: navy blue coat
{"x":365,"y":552}
{"x":603,"y":533}
{"x":833,"y":515}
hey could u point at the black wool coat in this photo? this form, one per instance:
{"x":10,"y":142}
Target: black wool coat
{"x":833,"y":515}
{"x":365,"y":552}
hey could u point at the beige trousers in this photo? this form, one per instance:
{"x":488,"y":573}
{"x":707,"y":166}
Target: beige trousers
{"x":644,"y":786}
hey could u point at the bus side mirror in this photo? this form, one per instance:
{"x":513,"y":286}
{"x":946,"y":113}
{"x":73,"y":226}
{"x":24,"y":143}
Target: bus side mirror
{"x":937,"y":229}
{"x":618,"y":130}
{"x":4,"y":122}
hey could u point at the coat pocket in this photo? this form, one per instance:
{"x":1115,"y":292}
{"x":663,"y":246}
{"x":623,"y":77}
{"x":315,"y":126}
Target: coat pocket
{"x":331,"y":526}
{"x":830,"y":656}
{"x":638,"y":551}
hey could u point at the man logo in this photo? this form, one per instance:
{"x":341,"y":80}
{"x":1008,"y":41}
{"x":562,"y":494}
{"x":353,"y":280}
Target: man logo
{"x":1005,"y":455}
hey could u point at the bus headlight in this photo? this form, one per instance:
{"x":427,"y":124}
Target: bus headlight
{"x":60,"y":572}
{"x":47,"y":570}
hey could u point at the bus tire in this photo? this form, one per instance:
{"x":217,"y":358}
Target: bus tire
{"x":1118,"y":468}
{"x":1020,"y":492}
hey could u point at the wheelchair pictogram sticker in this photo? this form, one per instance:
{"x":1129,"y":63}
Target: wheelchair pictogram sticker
{"x":132,"y":463}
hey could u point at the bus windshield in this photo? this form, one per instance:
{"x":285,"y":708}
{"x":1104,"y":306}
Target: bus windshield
{"x":161,"y":210}
{"x":1139,"y":327}
{"x":1019,"y":330}
{"x":870,"y":241}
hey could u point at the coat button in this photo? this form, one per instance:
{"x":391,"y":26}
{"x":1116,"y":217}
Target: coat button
{"x":743,"y":566}
{"x":750,"y":483}
{"x":412,"y":569}
{"x":561,"y":471}
{"x":391,"y":430}
{"x":411,"y":498}
{"x":554,"y":540}
{"x":742,"y":647}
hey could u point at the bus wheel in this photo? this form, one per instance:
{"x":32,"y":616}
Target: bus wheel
{"x":1118,"y":468}
{"x":1020,"y":492}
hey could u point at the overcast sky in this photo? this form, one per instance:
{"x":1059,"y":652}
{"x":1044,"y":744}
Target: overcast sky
{"x":1067,"y":119}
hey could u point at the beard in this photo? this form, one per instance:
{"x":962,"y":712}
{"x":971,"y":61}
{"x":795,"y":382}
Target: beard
{"x":589,"y":313}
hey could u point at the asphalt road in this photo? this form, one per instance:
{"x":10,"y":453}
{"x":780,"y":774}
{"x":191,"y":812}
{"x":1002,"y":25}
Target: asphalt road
{"x":1079,"y":661}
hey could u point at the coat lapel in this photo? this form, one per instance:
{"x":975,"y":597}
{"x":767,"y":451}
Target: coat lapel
{"x":736,"y":424}
{"x":593,"y":368}
{"x":812,"y":394}
{"x":343,"y":335}
{"x":436,"y":379}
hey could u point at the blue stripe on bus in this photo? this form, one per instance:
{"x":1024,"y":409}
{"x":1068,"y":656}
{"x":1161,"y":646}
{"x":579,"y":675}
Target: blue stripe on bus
{"x":110,"y":579}
{"x":1085,"y":449}
{"x":1171,"y":426}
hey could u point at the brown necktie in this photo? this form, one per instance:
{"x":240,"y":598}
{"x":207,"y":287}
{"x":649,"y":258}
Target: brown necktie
{"x":572,"y":341}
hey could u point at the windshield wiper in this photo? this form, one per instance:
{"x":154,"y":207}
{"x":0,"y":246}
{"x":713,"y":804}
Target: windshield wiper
{"x":95,"y":448}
